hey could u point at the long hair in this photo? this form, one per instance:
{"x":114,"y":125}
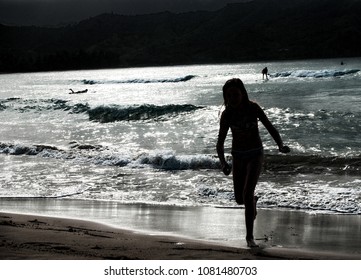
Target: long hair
{"x":237,"y":83}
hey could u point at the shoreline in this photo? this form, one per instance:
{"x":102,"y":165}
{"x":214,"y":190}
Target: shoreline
{"x":71,"y":229}
{"x":52,"y":238}
{"x":32,"y":237}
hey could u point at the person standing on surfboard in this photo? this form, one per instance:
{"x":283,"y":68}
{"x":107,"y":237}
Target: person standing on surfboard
{"x":265,"y":73}
{"x":241,"y":116}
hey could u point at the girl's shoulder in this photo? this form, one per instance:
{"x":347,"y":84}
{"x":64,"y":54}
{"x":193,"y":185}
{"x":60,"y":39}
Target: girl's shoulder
{"x":226,"y":113}
{"x":255,"y":107}
{"x":251,"y":108}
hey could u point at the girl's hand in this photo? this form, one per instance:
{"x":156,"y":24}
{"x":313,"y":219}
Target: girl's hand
{"x":226,"y":168}
{"x":284,"y":149}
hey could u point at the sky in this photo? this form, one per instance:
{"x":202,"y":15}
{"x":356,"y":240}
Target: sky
{"x":57,"y":12}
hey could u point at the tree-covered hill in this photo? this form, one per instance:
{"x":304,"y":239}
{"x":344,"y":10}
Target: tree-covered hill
{"x":256,"y":30}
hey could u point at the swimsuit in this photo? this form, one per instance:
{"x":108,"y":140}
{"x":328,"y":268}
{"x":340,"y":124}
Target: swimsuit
{"x":248,"y":153}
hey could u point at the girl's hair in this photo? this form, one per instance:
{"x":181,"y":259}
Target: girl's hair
{"x":237,"y":83}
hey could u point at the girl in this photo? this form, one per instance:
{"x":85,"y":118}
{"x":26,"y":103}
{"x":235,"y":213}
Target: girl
{"x":242,"y":115}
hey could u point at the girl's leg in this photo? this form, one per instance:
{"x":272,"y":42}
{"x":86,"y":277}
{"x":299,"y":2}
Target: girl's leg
{"x":239,"y":179}
{"x":253,"y":171}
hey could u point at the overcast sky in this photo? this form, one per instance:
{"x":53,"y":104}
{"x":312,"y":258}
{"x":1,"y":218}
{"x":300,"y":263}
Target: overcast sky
{"x":53,"y":12}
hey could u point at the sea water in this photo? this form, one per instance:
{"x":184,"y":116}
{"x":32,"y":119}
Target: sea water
{"x":148,"y":135}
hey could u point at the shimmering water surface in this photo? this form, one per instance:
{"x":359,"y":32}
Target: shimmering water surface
{"x":148,"y":134}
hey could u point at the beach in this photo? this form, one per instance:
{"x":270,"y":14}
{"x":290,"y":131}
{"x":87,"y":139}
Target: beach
{"x":144,"y":232}
{"x":27,"y":237}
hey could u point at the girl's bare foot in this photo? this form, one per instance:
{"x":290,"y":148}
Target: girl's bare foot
{"x":251,"y":243}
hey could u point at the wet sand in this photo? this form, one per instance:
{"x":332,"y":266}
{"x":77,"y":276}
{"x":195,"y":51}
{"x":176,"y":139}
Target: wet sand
{"x":109,"y":230}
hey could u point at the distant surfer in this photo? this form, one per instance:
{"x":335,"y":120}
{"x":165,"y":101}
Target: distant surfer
{"x":265,"y":73}
{"x":79,"y":91}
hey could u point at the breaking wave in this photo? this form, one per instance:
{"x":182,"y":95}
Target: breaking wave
{"x":38,"y":105}
{"x":140,"y":81}
{"x":103,"y":114}
{"x":169,"y":160}
{"x":313,"y":164}
{"x":314,"y":73}
{"x":114,"y":113}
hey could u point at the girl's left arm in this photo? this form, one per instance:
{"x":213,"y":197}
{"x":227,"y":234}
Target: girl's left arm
{"x":272,"y":130}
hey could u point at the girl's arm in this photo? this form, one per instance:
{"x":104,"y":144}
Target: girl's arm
{"x":222,"y":134}
{"x":272,"y":130}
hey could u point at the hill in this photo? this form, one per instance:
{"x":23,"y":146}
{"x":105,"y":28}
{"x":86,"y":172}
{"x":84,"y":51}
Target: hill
{"x":256,"y":30}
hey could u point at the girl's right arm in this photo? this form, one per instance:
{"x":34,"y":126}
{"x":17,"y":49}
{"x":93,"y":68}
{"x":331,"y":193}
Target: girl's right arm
{"x":222,"y":134}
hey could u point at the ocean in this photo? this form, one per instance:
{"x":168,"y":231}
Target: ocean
{"x":148,"y":135}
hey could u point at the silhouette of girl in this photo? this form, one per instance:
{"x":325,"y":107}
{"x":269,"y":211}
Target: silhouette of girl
{"x":242,"y":115}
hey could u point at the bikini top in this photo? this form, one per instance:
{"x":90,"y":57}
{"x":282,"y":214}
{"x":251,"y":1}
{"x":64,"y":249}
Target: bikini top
{"x":242,"y":120}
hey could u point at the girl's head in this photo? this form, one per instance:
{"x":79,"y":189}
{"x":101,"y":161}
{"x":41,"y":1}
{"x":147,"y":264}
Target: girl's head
{"x":234,"y":93}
